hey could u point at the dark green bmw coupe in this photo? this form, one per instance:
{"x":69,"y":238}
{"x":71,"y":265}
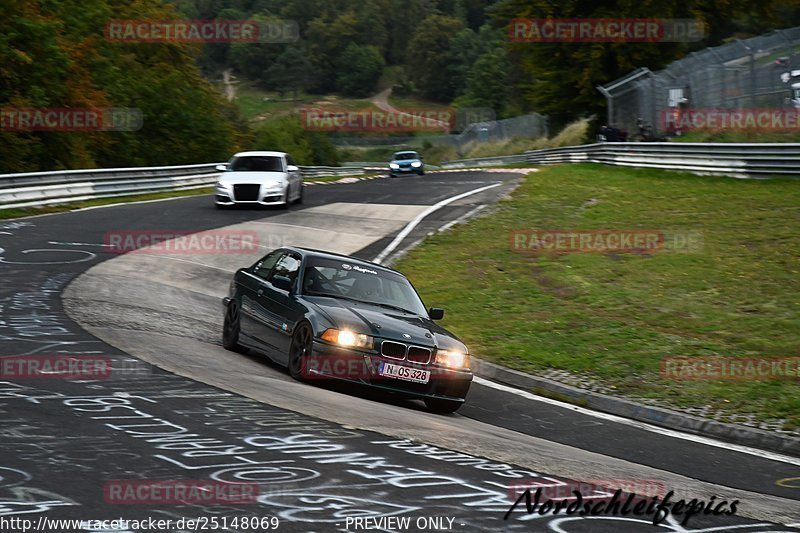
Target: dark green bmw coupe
{"x":330,"y":316}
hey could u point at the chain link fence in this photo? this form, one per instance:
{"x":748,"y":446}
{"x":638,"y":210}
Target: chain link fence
{"x":528,"y":126}
{"x":741,"y":74}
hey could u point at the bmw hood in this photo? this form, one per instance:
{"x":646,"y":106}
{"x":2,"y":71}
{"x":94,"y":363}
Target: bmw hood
{"x":384,"y":323}
{"x":231,"y":178}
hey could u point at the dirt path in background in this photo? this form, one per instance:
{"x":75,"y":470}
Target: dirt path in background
{"x":381,"y":101}
{"x":230,"y":85}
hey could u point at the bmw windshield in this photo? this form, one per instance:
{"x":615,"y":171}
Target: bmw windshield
{"x":351,"y":281}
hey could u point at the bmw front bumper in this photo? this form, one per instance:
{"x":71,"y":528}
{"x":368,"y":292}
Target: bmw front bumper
{"x":334,"y":362}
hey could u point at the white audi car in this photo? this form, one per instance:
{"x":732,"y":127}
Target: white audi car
{"x":259,"y":178}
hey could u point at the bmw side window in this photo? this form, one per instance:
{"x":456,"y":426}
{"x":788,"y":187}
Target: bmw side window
{"x":264,"y":267}
{"x":287,"y":266}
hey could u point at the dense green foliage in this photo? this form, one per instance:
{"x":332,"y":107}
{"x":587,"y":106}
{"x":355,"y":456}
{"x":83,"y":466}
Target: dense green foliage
{"x":459,"y":50}
{"x":360,"y":67}
{"x":286,"y":134}
{"x":560,"y":79}
{"x":54,"y":55}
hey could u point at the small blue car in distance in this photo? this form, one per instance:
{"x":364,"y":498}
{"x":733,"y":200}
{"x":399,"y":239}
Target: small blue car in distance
{"x":406,"y":162}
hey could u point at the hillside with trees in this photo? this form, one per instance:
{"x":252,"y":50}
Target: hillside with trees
{"x":447,"y":52}
{"x":54,"y":55}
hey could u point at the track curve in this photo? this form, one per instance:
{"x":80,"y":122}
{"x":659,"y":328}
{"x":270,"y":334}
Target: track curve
{"x":165,"y":309}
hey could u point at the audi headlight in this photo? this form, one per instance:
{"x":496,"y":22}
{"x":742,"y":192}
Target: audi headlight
{"x":452,"y":358}
{"x":223,"y":186}
{"x":394,"y":165}
{"x":416,"y":164}
{"x":347,"y":338}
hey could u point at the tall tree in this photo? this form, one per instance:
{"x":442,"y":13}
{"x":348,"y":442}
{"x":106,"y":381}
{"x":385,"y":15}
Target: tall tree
{"x":291,"y":70}
{"x":360,"y":68}
{"x":428,"y":55}
{"x":54,"y":55}
{"x":328,"y":37}
{"x":487,"y":84}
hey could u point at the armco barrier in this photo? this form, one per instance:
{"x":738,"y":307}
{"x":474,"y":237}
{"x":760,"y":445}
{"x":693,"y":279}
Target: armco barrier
{"x":741,"y":160}
{"x":43,"y":188}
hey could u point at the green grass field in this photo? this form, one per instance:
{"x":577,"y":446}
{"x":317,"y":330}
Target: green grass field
{"x":614,"y":317}
{"x":738,"y":137}
{"x":413,"y":103}
{"x":256,"y":104}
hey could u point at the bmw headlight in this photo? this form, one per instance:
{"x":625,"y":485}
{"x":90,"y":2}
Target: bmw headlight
{"x":416,"y":164}
{"x":347,"y":338}
{"x":452,"y":358}
{"x":394,"y":165}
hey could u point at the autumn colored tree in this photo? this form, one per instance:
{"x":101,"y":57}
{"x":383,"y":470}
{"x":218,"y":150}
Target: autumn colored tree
{"x":55,"y":55}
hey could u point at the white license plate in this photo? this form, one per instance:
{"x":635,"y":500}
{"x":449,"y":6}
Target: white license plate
{"x":405,"y":373}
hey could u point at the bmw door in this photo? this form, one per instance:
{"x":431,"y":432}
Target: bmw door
{"x":255,"y":320}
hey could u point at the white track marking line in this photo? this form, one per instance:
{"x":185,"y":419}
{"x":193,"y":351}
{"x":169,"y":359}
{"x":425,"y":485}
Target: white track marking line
{"x":642,"y":425}
{"x":413,"y":224}
{"x":171,"y":258}
{"x":117,"y":204}
{"x":80,"y":244}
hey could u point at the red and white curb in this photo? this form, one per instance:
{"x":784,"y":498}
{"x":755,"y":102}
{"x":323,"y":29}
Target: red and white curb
{"x":353,"y":179}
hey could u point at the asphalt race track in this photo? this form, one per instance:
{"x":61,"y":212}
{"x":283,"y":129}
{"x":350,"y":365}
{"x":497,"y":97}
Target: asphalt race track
{"x":177,"y":406}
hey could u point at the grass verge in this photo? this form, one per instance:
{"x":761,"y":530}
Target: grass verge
{"x":612,"y":318}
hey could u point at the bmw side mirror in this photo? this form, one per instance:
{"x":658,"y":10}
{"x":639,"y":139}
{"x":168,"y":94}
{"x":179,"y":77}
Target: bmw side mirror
{"x":436,"y":313}
{"x":282,"y":282}
{"x":222,"y":168}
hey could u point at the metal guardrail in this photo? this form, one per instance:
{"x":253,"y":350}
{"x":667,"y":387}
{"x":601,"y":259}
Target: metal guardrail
{"x":320,"y":172}
{"x":45,"y":188}
{"x":486,"y":161}
{"x":741,"y":160}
